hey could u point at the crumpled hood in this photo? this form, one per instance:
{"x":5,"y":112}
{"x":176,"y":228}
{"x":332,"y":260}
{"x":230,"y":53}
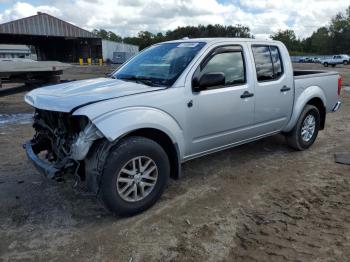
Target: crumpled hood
{"x":65,"y":97}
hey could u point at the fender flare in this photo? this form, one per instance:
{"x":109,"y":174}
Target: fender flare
{"x":308,"y":94}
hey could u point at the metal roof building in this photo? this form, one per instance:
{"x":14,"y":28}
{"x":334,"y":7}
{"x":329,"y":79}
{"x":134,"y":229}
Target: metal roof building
{"x":53,"y":38}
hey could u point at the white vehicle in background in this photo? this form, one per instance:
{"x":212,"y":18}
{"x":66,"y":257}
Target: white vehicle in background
{"x":305,"y":60}
{"x":336,"y":60}
{"x":316,"y":60}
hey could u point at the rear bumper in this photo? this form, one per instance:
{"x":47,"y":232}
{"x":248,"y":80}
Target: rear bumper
{"x":43,"y":167}
{"x":337,"y":106}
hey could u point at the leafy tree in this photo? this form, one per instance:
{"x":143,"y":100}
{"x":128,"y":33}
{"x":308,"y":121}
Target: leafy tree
{"x":107,"y":35}
{"x":145,"y":38}
{"x":320,"y":41}
{"x":289,"y":38}
{"x":101,"y":33}
{"x":340,"y":32}
{"x":114,"y":37}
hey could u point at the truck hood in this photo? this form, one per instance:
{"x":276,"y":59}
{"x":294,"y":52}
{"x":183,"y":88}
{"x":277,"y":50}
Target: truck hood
{"x":68,"y":96}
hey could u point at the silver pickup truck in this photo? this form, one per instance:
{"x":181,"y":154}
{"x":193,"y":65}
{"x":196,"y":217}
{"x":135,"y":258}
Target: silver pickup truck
{"x":125,"y":135}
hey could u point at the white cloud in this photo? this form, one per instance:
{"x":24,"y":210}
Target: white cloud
{"x":126,"y":17}
{"x":23,"y":9}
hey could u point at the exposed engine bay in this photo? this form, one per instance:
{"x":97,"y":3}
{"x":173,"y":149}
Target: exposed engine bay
{"x":63,"y":141}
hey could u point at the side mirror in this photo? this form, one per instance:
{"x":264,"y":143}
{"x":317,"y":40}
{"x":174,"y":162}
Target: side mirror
{"x":208,"y":80}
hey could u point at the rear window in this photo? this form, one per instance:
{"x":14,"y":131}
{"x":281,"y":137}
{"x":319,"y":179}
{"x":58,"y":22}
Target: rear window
{"x":268,"y":62}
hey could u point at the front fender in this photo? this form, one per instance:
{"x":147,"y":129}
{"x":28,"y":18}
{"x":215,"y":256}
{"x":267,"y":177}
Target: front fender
{"x":303,"y":98}
{"x":118,"y":123}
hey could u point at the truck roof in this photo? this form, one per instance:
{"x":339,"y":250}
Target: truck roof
{"x":220,"y":39}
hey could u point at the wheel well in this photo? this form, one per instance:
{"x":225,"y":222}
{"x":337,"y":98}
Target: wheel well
{"x":164,"y":141}
{"x":317,"y":102}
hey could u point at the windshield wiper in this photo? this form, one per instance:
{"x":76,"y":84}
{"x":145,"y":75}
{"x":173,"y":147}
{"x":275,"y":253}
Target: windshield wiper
{"x":140,"y":79}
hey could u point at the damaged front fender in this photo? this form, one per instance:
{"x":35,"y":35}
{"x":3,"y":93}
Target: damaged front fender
{"x":83,"y":142}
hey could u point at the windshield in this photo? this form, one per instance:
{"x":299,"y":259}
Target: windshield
{"x":160,"y":65}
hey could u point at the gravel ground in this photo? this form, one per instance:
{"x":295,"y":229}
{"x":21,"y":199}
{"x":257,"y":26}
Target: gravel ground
{"x":257,"y":202}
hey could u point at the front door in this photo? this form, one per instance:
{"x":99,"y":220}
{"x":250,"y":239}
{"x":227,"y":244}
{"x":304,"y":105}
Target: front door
{"x":219,"y":115}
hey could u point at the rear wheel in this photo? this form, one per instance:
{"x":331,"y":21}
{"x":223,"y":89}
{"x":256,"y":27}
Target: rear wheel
{"x":345,"y":62}
{"x":306,"y":130}
{"x":325,"y":64}
{"x":134,"y":177}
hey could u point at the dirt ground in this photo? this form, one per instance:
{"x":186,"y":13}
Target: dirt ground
{"x":257,"y":202}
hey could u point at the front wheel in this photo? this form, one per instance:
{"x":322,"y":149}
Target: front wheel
{"x":134,"y":177}
{"x":325,"y":64}
{"x":306,"y":130}
{"x":345,"y":62}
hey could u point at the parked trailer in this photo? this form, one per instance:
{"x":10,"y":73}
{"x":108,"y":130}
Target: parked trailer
{"x":28,"y":71}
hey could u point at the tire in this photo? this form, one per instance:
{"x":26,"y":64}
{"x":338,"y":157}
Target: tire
{"x":325,"y":64}
{"x":295,"y":138}
{"x":345,"y":62}
{"x":121,"y":157}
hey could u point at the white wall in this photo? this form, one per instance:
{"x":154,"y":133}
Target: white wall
{"x":108,"y":47}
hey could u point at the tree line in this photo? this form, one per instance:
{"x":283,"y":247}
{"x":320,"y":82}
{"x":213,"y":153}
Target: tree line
{"x":332,"y":39}
{"x":146,"y":38}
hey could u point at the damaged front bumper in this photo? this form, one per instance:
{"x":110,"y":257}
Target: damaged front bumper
{"x":66,"y":163}
{"x":42,"y":166}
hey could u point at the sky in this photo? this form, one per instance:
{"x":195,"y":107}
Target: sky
{"x":128,"y":17}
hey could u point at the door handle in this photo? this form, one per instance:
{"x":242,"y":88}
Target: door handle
{"x":246,"y":94}
{"x":285,"y":89}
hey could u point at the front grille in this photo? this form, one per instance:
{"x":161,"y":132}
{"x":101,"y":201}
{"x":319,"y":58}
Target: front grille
{"x":56,"y":131}
{"x":61,"y":122}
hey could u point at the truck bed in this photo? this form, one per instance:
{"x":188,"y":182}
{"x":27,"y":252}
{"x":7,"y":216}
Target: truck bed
{"x":311,"y":73}
{"x":327,"y":81}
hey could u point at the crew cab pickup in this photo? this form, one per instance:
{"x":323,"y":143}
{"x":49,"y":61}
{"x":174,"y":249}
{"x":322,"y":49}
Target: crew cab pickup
{"x":336,"y":60}
{"x":126,"y":134}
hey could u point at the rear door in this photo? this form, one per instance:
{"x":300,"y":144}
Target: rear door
{"x":274,"y":88}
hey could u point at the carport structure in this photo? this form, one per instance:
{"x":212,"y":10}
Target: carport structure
{"x":53,"y":38}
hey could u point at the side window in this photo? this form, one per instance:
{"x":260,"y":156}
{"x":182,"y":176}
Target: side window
{"x":276,"y":60}
{"x":268,"y":63}
{"x":263,"y":63}
{"x":227,"y":60}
